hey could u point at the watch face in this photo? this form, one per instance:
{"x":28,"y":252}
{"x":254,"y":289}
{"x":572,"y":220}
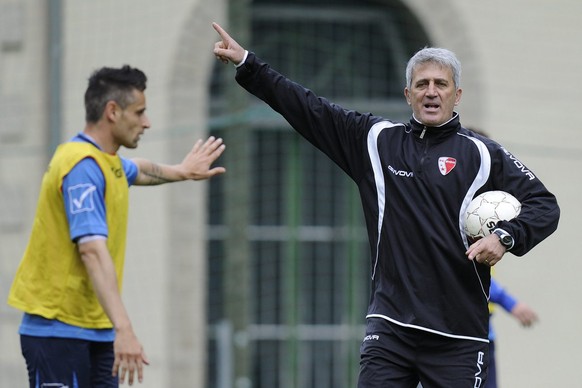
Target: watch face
{"x":506,"y":241}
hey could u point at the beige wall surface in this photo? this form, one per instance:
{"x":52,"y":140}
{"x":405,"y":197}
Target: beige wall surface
{"x":521,"y":60}
{"x":22,"y":115}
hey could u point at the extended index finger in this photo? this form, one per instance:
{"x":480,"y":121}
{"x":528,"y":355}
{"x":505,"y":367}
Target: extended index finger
{"x":223,"y":34}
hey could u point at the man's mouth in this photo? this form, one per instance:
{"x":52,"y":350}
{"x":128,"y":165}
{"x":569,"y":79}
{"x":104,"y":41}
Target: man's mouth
{"x":431,"y":106}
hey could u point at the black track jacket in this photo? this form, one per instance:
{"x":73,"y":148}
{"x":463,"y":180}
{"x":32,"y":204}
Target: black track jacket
{"x":415,"y":183}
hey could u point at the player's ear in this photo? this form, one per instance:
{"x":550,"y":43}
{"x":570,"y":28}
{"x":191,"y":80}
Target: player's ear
{"x":111,"y":111}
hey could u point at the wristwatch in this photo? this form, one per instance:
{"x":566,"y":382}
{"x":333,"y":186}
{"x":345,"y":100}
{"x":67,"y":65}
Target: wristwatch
{"x":504,"y":238}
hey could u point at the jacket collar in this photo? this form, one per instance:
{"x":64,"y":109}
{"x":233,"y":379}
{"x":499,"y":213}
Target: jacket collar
{"x":444,"y":130}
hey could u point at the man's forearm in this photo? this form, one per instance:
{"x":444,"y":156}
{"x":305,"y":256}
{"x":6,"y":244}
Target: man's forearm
{"x":196,"y":165}
{"x":151,"y":173}
{"x":101,"y":270}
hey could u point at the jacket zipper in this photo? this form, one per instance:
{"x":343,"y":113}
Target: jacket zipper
{"x":420,"y":167}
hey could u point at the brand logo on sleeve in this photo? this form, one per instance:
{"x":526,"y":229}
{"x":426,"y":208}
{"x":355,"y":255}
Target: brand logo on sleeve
{"x":371,"y":337}
{"x":446,"y":164}
{"x":81,"y":198}
{"x":520,"y":166}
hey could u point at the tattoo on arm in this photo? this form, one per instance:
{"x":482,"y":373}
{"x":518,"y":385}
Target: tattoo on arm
{"x":153,"y":175}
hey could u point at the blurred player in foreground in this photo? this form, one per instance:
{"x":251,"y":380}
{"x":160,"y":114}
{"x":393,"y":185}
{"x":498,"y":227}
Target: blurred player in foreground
{"x":427,"y":319}
{"x":76,"y":331}
{"x":519,"y":310}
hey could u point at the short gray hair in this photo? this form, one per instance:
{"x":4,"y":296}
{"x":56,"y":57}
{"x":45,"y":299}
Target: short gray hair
{"x":441,"y":56}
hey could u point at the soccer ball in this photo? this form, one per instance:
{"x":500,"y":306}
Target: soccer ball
{"x":486,"y":209}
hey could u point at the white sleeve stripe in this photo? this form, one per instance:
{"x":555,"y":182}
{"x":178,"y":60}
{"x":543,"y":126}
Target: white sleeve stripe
{"x":378,"y":178}
{"x":93,"y":237}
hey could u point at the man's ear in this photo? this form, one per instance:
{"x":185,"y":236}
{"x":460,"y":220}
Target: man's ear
{"x":458,"y":94}
{"x":407,"y":95}
{"x":111,"y":111}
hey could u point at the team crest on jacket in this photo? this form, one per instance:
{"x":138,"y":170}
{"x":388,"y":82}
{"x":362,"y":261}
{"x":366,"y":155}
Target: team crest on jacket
{"x":446,"y":164}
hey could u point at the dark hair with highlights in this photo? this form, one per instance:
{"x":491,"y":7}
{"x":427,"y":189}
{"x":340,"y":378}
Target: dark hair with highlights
{"x":111,"y":84}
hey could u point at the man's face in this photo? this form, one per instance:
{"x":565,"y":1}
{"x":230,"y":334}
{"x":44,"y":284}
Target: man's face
{"x":131,"y":121}
{"x":432,"y":94}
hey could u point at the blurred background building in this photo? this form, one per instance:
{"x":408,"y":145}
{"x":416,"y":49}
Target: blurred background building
{"x":259,"y":278}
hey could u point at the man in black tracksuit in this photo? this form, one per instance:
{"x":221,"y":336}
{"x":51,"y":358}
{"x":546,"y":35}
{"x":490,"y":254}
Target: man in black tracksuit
{"x":427,"y":318}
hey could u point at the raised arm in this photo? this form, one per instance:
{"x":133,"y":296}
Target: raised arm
{"x":339,"y":133}
{"x":195,"y":166}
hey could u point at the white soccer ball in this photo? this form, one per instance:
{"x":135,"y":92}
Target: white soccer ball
{"x":486,"y":209}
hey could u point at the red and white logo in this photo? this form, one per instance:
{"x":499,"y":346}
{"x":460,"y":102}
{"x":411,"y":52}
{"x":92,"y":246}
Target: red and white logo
{"x":446,"y":164}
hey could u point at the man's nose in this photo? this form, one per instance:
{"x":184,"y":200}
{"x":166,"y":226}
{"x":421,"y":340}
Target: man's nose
{"x":431,"y":90}
{"x":145,"y":121}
